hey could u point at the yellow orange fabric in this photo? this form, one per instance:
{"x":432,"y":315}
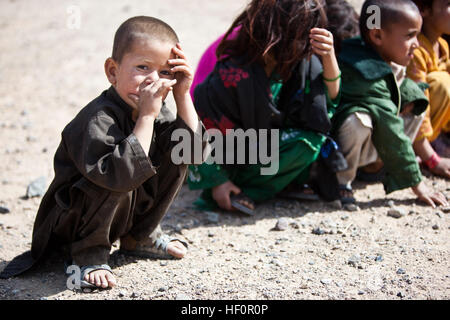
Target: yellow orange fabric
{"x":428,"y":67}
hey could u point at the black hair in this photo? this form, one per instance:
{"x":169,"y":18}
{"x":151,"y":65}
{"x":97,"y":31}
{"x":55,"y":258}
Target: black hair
{"x":343,"y":21}
{"x":136,"y":27}
{"x":277,"y":27}
{"x":391,"y":12}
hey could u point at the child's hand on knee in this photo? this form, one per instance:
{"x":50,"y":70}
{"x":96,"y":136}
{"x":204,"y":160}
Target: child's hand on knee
{"x":221,"y":194}
{"x":429,"y":196}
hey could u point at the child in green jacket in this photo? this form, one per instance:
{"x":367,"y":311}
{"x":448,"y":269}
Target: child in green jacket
{"x":381,"y":110}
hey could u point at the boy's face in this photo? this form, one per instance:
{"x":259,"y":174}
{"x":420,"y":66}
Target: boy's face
{"x":147,"y":60}
{"x":396,"y":42}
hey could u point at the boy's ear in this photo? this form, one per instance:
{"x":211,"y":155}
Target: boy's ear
{"x":111,"y":70}
{"x":375,"y":36}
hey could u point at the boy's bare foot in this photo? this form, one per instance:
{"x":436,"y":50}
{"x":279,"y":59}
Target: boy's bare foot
{"x":101,"y":278}
{"x":163,"y":246}
{"x":176,"y":249}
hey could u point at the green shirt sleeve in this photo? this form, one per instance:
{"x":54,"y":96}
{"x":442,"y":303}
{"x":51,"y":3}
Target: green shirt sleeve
{"x":332,"y":104}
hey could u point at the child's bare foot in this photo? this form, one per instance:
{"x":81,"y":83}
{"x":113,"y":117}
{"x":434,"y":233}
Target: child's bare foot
{"x":101,"y":278}
{"x":176,"y":249}
{"x":163,"y":247}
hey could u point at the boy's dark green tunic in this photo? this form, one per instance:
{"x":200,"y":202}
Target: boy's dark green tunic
{"x":369,"y":85}
{"x":105,"y":185}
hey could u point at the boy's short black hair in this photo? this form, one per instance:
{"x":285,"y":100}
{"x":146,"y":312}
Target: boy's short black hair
{"x":137,"y":27}
{"x":391,"y":11}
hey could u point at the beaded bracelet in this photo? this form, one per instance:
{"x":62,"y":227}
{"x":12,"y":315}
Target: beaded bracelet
{"x":433,"y":161}
{"x":332,"y":80}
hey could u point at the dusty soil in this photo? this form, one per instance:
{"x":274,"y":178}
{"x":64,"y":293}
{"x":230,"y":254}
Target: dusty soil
{"x":49,"y":70}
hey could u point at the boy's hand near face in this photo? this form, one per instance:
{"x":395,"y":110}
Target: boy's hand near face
{"x":151,"y":96}
{"x":149,"y":102}
{"x":183,"y":72}
{"x":184,"y":76}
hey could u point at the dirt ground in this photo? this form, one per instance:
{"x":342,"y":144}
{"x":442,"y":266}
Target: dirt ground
{"x":50,"y":69}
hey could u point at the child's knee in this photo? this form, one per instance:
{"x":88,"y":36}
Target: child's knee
{"x":439,"y":82}
{"x":356,"y":129}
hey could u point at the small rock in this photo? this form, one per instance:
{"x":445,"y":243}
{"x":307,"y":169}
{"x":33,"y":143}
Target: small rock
{"x":361,"y":292}
{"x":303,"y":286}
{"x":163,"y":263}
{"x":354,"y":261}
{"x":182,"y":296}
{"x":351,"y":207}
{"x":400,"y":294}
{"x":294,"y":224}
{"x":396,"y":213}
{"x":277,"y":263}
{"x":435,"y":227}
{"x":319,"y":231}
{"x":391,"y":203}
{"x":445,"y":209}
{"x":36,"y":188}
{"x":325,"y":281}
{"x":379,"y":258}
{"x":344,"y":218}
{"x":4,"y":210}
{"x":135,"y":295}
{"x":401,"y":271}
{"x":212,"y":217}
{"x":122,"y":293}
{"x":162,"y":289}
{"x":282,"y":224}
{"x":179,"y":228}
{"x":311,"y":263}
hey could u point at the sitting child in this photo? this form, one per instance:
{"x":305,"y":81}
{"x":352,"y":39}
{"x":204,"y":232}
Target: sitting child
{"x":276,"y":71}
{"x":431,"y":64}
{"x":367,"y":124}
{"x":114,"y":178}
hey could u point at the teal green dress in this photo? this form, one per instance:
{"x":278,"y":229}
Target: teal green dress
{"x":298,"y":149}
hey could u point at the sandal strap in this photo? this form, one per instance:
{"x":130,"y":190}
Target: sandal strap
{"x":88,"y":269}
{"x":162,"y":242}
{"x":345,"y":187}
